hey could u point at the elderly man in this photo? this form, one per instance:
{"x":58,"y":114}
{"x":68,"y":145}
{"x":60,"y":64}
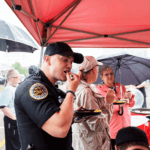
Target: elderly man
{"x":44,"y":112}
{"x":7,"y":107}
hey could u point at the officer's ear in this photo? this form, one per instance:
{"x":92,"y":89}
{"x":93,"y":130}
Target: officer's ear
{"x":47,"y":59}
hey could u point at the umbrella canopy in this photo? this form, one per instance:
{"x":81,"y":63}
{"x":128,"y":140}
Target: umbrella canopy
{"x":129,"y":67}
{"x":14,"y":39}
{"x":86,"y":23}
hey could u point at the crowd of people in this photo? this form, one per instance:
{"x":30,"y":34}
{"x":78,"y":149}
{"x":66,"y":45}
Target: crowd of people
{"x":41,"y":115}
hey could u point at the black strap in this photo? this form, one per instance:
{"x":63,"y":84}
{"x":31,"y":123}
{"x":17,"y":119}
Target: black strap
{"x":71,"y":92}
{"x":121,"y":111}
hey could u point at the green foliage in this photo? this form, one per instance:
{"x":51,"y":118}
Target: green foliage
{"x":38,"y":66}
{"x":21,"y":70}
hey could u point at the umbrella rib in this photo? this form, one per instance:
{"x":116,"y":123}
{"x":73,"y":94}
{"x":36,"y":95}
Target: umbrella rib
{"x":135,"y":76}
{"x":128,"y":60}
{"x":113,"y":61}
{"x":135,"y":63}
{"x":105,"y":59}
{"x":110,"y":64}
{"x":125,"y":66}
{"x":143,"y":64}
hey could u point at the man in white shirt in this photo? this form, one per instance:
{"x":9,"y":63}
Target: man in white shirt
{"x":7,"y":107}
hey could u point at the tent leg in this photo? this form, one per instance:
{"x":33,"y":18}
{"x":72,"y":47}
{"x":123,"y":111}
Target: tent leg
{"x":41,"y":56}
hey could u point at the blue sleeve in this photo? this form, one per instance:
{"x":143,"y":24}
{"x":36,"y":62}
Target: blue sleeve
{"x":5,"y":97}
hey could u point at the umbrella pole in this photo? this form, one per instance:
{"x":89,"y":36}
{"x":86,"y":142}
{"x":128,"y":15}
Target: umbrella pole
{"x":120,"y":83}
{"x":41,"y":56}
{"x":120,"y":112}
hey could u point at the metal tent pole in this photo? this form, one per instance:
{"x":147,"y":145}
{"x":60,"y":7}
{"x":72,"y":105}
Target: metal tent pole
{"x":41,"y":56}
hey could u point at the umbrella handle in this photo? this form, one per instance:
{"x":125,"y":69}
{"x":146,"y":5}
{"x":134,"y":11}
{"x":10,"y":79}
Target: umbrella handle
{"x":120,"y":112}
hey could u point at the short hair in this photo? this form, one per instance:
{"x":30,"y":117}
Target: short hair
{"x":9,"y":75}
{"x":126,"y":145}
{"x":103,"y":68}
{"x":84,"y":74}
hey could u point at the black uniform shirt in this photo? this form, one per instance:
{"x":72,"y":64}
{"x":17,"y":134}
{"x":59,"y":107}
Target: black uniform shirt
{"x":36,"y":100}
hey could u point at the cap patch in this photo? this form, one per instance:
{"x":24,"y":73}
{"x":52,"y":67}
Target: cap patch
{"x":38,"y":91}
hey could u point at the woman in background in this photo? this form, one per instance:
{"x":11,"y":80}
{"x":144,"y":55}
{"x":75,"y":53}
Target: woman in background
{"x":118,"y":120}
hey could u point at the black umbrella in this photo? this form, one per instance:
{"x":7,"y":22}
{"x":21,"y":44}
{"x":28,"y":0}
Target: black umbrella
{"x":14,"y":39}
{"x":130,"y":67}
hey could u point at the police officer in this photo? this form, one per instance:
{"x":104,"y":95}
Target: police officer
{"x":44,"y":112}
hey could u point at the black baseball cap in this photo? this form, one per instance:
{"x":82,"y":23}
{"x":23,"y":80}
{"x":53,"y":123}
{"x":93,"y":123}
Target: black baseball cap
{"x":130,"y":134}
{"x":64,"y":49}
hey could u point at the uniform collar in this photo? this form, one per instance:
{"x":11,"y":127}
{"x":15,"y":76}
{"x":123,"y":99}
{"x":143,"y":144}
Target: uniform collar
{"x":43,"y":77}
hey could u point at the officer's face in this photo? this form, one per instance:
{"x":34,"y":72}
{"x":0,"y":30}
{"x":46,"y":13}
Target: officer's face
{"x":59,"y":65}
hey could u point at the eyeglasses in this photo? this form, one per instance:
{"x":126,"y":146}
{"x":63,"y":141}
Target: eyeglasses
{"x":108,"y":74}
{"x":15,"y":77}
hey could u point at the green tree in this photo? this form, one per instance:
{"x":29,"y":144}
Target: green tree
{"x":21,"y":70}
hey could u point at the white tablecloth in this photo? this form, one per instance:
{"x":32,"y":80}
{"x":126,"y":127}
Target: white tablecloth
{"x":139,"y":120}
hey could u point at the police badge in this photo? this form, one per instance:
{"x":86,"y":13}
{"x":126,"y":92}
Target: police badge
{"x":38,"y":91}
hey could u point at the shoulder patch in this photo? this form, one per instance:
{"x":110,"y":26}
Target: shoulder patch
{"x":38,"y":91}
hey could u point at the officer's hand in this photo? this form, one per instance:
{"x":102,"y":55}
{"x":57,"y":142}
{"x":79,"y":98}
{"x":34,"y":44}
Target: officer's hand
{"x":72,"y":81}
{"x":110,"y":96}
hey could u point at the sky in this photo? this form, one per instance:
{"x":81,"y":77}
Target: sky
{"x":27,"y":59}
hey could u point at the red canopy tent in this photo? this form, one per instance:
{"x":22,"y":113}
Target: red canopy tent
{"x":86,"y":23}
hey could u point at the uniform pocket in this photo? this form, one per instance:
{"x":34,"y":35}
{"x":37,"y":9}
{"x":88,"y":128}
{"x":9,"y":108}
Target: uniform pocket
{"x":13,"y":129}
{"x":13,"y":134}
